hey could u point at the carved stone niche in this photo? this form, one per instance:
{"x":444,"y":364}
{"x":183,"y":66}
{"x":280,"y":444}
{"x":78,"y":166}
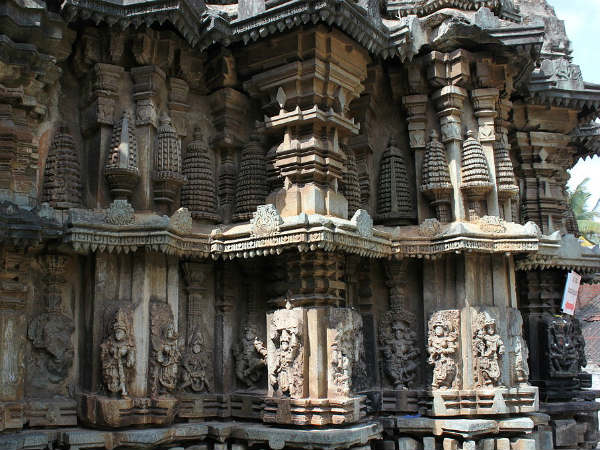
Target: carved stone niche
{"x":479,"y":360}
{"x":119,"y":361}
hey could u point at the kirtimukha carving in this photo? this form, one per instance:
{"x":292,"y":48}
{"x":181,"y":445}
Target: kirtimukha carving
{"x":251,"y":188}
{"x":120,"y":212}
{"x":167,"y":177}
{"x":165,"y":358}
{"x":117,"y":354}
{"x":62,"y":175}
{"x":196,"y":365}
{"x":350,"y":183}
{"x":399,"y":347}
{"x":265,"y":221}
{"x":199,"y":193}
{"x":121,"y":170}
{"x":394,"y":198}
{"x":436,"y":185}
{"x":443,"y":347}
{"x":250,"y":357}
{"x":475,"y":182}
{"x":286,"y":373}
{"x":488,"y":349}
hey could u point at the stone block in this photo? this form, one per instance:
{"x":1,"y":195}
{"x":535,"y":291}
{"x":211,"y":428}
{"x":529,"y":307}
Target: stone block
{"x":503,"y":444}
{"x":238,"y":446}
{"x":523,"y":444}
{"x":450,"y":444}
{"x":565,"y":433}
{"x":469,"y":445}
{"x":488,"y":444}
{"x":428,"y":443}
{"x":219,"y":446}
{"x":407,"y":443}
{"x":519,"y":424}
{"x":385,"y":445}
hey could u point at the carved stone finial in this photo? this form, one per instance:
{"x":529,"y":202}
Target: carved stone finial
{"x":475,"y":182}
{"x":117,"y":354}
{"x":121,"y":170}
{"x":350,"y":184}
{"x":251,"y":188}
{"x":505,"y":175}
{"x":394,"y":199}
{"x":199,"y":193}
{"x":167,"y":164}
{"x":436,"y":184}
{"x":62,"y":176}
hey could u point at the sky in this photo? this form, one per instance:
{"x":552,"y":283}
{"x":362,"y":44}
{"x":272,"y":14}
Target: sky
{"x":582,"y":18}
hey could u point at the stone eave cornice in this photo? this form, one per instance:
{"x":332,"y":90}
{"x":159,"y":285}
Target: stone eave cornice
{"x":26,"y":227}
{"x":185,"y":15}
{"x":422,"y":8}
{"x":565,"y":253}
{"x":586,"y":138}
{"x":343,"y":14}
{"x":525,"y":38}
{"x":586,"y":100}
{"x":88,"y":232}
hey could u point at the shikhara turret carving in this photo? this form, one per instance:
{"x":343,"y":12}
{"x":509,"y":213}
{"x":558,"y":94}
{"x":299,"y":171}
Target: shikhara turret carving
{"x":291,"y":224}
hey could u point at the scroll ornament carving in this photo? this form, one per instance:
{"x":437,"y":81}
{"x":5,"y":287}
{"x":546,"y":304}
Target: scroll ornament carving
{"x":399,"y":347}
{"x":195,"y":365}
{"x":165,"y":360}
{"x":266,"y":221}
{"x":286,"y":376}
{"x":250,"y":357}
{"x":488,"y":349}
{"x":117,"y":354}
{"x":443,"y":348}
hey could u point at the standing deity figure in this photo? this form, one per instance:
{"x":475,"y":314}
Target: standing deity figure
{"x":443,"y":346}
{"x":250,"y":357}
{"x":284,"y":374}
{"x":165,"y":360}
{"x":117,"y":354}
{"x":488,"y":348}
{"x":195,"y":365}
{"x":400,"y":351}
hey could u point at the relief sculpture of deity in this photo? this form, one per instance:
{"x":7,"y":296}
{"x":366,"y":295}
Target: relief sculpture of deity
{"x":288,"y":362}
{"x":399,"y":347}
{"x":488,"y":349}
{"x":117,"y":354}
{"x":165,"y":361}
{"x":443,"y":349}
{"x":250,"y":357}
{"x":195,"y":366}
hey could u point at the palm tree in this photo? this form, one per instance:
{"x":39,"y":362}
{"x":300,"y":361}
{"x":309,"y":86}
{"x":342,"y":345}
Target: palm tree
{"x":588,"y":226}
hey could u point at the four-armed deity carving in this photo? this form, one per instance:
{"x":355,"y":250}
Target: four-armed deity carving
{"x":250,"y":357}
{"x":117,"y":354}
{"x":286,"y":376}
{"x":488,"y":349}
{"x":165,"y":360}
{"x":399,"y":347}
{"x":443,"y":348}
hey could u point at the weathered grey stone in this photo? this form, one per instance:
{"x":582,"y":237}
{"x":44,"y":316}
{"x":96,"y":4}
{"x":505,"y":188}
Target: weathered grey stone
{"x":407,"y":443}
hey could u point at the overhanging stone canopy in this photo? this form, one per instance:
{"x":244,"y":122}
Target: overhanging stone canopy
{"x":290,"y":225}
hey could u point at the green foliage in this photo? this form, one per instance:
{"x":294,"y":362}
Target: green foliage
{"x":589,"y":227}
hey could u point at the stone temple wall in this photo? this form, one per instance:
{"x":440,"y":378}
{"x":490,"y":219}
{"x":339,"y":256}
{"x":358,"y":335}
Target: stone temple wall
{"x":291,"y":224}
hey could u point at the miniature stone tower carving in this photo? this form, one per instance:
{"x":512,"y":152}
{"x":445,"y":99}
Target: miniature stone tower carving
{"x":167,"y":165}
{"x":475,"y":175}
{"x":251,"y":189}
{"x":121,"y":170}
{"x":394,"y":199}
{"x":351,"y":185}
{"x":199,"y":192}
{"x":436,"y":183}
{"x":62,"y":177}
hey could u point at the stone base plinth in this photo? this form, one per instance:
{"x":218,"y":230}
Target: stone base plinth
{"x":247,"y":406}
{"x":485,"y":401}
{"x":408,"y":401}
{"x":314,"y":411}
{"x":200,"y":406}
{"x":11,"y":416}
{"x":99,"y":411}
{"x":51,"y":413}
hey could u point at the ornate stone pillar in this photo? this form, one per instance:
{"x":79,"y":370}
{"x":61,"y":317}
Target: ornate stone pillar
{"x":416,"y":106}
{"x":148,"y":84}
{"x":484,"y":103}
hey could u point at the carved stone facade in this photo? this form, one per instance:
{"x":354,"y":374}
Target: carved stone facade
{"x":290,"y":225}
